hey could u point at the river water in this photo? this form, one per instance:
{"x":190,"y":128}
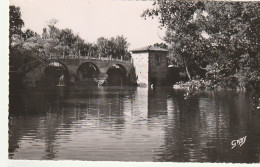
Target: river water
{"x":132,"y":124}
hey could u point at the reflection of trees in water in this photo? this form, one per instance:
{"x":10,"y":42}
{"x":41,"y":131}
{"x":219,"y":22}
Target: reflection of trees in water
{"x":255,"y":100}
{"x":18,"y":116}
{"x":202,"y":128}
{"x":51,"y":115}
{"x":38,"y":117}
{"x":181,"y":138}
{"x":241,"y":122}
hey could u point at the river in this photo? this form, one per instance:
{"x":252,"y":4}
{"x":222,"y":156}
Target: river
{"x":132,"y":124}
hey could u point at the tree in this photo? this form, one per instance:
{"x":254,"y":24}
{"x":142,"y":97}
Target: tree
{"x":237,"y":40}
{"x":121,"y":45}
{"x":116,"y":47}
{"x":104,"y":50}
{"x":212,"y":36}
{"x":66,"y":40}
{"x":183,"y":34}
{"x":15,"y":41}
{"x":15,"y":21}
{"x":28,"y":34}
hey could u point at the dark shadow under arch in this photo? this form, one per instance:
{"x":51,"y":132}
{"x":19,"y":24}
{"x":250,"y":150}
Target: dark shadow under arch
{"x":56,"y":74}
{"x":117,"y":75}
{"x":87,"y":74}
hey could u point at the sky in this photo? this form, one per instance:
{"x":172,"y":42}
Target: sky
{"x":93,"y":19}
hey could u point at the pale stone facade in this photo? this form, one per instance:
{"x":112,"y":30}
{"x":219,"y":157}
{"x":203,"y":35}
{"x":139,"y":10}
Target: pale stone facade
{"x":140,"y":61}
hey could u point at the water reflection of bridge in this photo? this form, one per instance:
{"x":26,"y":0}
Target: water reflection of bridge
{"x":52,"y":114}
{"x":87,"y":70}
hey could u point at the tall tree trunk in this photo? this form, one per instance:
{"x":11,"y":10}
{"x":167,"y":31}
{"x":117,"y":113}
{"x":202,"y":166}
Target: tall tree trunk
{"x":186,"y":68}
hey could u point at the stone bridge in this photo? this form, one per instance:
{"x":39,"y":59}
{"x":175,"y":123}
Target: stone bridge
{"x":72,"y":66}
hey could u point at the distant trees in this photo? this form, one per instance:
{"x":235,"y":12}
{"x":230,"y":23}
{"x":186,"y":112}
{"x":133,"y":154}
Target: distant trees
{"x":161,"y":45}
{"x":216,"y":40}
{"x":116,"y":47}
{"x":57,"y":41}
{"x":60,"y":41}
{"x":28,"y":47}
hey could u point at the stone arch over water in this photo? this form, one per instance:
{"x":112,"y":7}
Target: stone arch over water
{"x":90,"y":72}
{"x":117,"y":75}
{"x":56,"y":74}
{"x":87,"y":74}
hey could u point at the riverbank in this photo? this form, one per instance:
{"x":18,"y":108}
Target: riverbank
{"x":193,"y":86}
{"x":206,"y":85}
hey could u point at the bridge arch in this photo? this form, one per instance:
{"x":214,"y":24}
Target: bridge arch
{"x":117,"y":75}
{"x":56,"y":73}
{"x":87,"y":74}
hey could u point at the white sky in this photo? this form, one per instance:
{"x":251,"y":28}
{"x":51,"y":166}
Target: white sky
{"x":93,"y":19}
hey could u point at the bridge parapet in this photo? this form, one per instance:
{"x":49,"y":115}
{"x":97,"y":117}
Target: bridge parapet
{"x":59,"y":57}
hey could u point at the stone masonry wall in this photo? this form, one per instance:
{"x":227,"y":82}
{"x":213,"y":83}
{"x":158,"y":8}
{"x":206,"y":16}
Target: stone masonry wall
{"x":72,"y":65}
{"x":158,"y":63}
{"x":140,"y":61}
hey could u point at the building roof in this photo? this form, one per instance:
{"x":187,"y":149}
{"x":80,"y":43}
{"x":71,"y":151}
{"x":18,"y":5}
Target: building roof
{"x":149,"y":48}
